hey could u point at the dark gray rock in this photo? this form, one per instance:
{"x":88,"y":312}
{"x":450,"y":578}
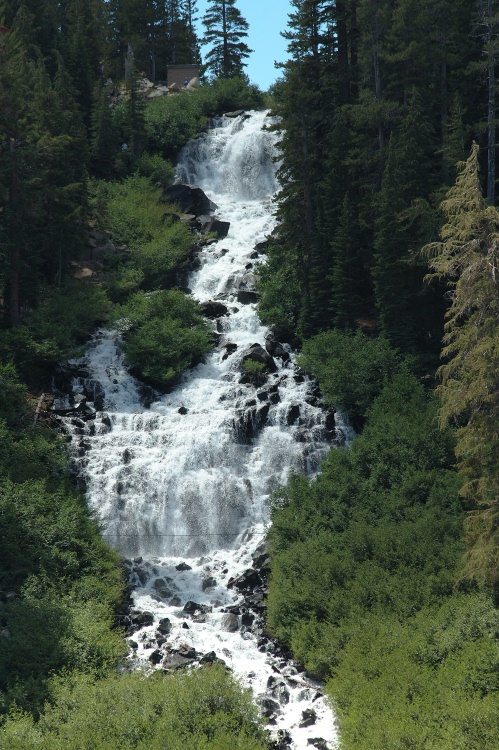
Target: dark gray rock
{"x":156,"y":656}
{"x":257,"y":353}
{"x":165,"y":626}
{"x":308,"y":718}
{"x":213,"y":309}
{"x":246,"y":581}
{"x":230,"y":623}
{"x":191,"y":200}
{"x":183,"y":566}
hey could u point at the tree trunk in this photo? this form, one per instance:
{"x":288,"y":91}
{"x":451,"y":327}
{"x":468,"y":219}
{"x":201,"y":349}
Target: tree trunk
{"x":226,"y":46}
{"x":342,"y":37}
{"x":354,"y":49}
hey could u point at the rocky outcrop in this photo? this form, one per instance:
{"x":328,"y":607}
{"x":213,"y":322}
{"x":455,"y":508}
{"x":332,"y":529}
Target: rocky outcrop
{"x":191,"y":200}
{"x":213,"y":309}
{"x":257,"y":353}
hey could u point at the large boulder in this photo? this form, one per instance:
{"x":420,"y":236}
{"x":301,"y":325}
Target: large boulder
{"x":191,"y":200}
{"x":213,"y":309}
{"x":257,"y":353}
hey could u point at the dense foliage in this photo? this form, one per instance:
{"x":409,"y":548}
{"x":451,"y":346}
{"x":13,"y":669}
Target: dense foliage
{"x":206,"y":710}
{"x":363,"y":587}
{"x":164,"y":334}
{"x":60,"y":583}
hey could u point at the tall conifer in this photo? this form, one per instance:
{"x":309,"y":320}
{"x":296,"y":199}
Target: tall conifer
{"x":225,"y":31}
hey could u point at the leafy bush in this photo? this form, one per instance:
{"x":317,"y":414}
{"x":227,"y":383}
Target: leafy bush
{"x":206,"y":710}
{"x":133,"y":213}
{"x":56,"y":329}
{"x":351,"y":369}
{"x":67,"y":584}
{"x":171,"y":121}
{"x":158,"y":170}
{"x":164,"y":334}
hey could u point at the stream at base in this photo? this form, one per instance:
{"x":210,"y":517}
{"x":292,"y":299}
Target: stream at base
{"x":182,"y":485}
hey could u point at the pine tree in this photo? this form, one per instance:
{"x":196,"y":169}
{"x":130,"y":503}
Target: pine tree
{"x":225,"y":30}
{"x":348,"y":279}
{"x":467,"y":258}
{"x":400,"y":227}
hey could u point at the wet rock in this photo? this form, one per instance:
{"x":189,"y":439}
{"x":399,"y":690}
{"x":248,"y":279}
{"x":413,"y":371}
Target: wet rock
{"x":156,"y":656}
{"x":175,"y":601}
{"x":183,"y":566}
{"x":293,"y":414}
{"x":213,"y":309}
{"x":329,"y":422}
{"x":230,"y":348}
{"x":208,"y":583}
{"x":171,"y":662}
{"x":191,"y":200}
{"x":211,"y":658}
{"x":165,"y":626}
{"x":318,"y":742}
{"x":246,"y":581}
{"x":163,"y":587}
{"x":94,"y":392}
{"x":230,"y":623}
{"x":308,"y":718}
{"x":281,"y":353}
{"x":183,"y":410}
{"x":141,"y":619}
{"x":247,"y":296}
{"x":257,"y":353}
{"x":278,"y":690}
{"x":221,"y":228}
{"x":269,"y":707}
{"x":191,"y":607}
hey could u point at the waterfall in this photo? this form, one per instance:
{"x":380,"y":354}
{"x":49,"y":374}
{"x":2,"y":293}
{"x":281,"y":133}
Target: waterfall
{"x":181,"y":487}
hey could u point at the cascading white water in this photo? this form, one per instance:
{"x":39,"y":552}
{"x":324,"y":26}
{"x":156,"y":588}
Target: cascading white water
{"x":185,"y":483}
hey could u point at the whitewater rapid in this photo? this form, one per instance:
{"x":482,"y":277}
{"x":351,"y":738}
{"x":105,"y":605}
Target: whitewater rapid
{"x":181,"y":487}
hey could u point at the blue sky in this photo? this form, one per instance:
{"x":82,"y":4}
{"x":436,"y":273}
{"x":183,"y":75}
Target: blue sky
{"x":266,"y":18}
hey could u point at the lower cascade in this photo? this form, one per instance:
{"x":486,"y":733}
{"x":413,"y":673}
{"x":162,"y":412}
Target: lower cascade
{"x":181,"y":485}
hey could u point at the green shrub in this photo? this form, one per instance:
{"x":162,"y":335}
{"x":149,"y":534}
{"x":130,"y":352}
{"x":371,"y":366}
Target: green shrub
{"x":67,"y":584}
{"x":158,"y":170}
{"x":56,"y":329}
{"x":171,"y":121}
{"x":164,"y":334}
{"x":351,"y":369}
{"x":133,"y":214}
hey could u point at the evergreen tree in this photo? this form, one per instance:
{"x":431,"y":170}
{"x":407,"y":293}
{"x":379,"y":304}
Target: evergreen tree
{"x":467,"y":258}
{"x":401,"y":227}
{"x":225,"y":30}
{"x":348,"y":280}
{"x":103,"y":134}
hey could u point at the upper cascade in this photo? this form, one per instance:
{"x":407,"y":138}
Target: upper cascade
{"x":235,"y":159}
